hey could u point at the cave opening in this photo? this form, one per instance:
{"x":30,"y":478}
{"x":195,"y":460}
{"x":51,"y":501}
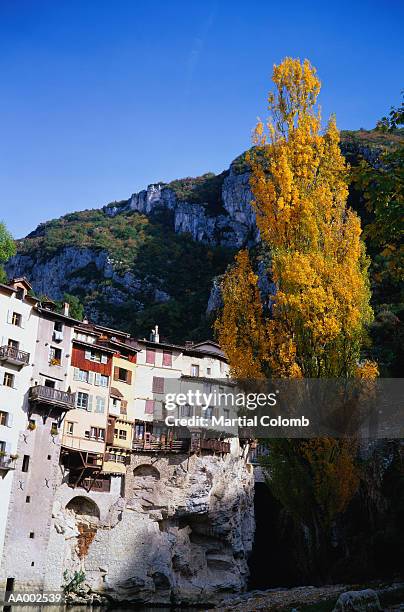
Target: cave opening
{"x":271,"y":564}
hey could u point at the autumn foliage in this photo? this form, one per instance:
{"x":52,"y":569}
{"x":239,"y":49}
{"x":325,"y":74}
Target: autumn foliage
{"x":313,"y":322}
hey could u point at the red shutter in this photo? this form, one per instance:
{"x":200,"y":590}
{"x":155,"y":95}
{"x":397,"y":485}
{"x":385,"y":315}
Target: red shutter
{"x":149,"y":407}
{"x":110,"y":430}
{"x":128,"y":377}
{"x":158,"y":384}
{"x":167,"y":358}
{"x":150,"y":356}
{"x":116,"y":373}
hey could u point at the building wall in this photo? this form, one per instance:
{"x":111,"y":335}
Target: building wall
{"x":96,"y":415}
{"x":126,"y":388}
{"x":33,"y":491}
{"x":14,"y":400}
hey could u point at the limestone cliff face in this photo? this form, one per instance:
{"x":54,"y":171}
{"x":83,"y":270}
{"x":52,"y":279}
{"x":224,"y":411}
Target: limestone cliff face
{"x":234,"y":226}
{"x":182,"y":533}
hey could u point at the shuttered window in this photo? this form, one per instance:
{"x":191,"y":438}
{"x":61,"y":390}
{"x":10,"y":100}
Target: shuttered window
{"x":150,"y":356}
{"x":158,"y":384}
{"x":149,"y":407}
{"x":167,"y":358}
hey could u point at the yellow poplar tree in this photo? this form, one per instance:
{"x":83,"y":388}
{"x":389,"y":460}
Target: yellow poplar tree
{"x":320,"y":307}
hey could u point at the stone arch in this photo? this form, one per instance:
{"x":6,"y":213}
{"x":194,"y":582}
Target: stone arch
{"x":145,"y":470}
{"x":83,"y":508}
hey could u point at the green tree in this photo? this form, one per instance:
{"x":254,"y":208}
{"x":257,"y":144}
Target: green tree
{"x":7,"y":249}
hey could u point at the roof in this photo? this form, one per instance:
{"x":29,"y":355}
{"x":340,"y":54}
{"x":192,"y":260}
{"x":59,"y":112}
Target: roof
{"x":115,"y":392}
{"x":23,"y":280}
{"x":189,"y":350}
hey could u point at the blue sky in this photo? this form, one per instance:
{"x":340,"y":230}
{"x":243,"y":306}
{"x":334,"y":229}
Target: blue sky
{"x":100,"y":98}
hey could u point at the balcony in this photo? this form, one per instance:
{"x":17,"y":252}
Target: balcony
{"x":161,"y":446}
{"x":52,"y":397}
{"x":217,"y":446}
{"x":12,"y":355}
{"x":7,"y":462}
{"x":86,"y":445}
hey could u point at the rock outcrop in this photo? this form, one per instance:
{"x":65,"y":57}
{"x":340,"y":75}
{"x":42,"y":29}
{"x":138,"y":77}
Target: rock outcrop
{"x":182,"y":533}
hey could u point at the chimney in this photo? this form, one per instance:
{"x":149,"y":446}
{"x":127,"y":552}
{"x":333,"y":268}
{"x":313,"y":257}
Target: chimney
{"x":66,"y":307}
{"x":155,"y":336}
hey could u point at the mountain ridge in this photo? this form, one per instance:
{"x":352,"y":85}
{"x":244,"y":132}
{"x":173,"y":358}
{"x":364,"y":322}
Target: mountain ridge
{"x":154,"y":257}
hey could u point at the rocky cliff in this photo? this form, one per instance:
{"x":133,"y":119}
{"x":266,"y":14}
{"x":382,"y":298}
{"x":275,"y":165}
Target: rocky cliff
{"x":154,"y":257}
{"x":181,"y":534}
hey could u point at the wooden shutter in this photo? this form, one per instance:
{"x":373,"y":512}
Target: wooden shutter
{"x":149,"y":407}
{"x":128,"y":377}
{"x":110,"y":430}
{"x":158,"y":384}
{"x":124,"y":407}
{"x":116,"y":373}
{"x":90,"y":403}
{"x":150,"y":356}
{"x":167,"y":358}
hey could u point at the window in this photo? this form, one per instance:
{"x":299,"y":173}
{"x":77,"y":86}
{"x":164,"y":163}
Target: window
{"x":122,"y":434}
{"x":58,"y":326}
{"x":101,"y":380}
{"x":208,"y":412}
{"x":3,"y":417}
{"x":158,"y":384}
{"x":69,"y":428}
{"x":194,"y":370}
{"x":123,"y":375}
{"x":28,"y":499}
{"x":81,"y":375}
{"x":49,"y":383}
{"x":31,"y":535}
{"x":8,"y":380}
{"x":100,"y":404}
{"x":55,"y":356}
{"x":208,"y":371}
{"x":96,"y":356}
{"x":185,"y":411}
{"x":16,"y":319}
{"x":54,"y":429}
{"x":149,"y":407}
{"x":13,"y":344}
{"x":96,"y":433}
{"x":150,"y":356}
{"x":83,"y":401}
{"x":167,"y":358}
{"x":25,"y":463}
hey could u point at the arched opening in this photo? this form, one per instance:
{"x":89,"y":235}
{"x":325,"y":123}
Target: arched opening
{"x":146,"y":471}
{"x":87,"y":515}
{"x":84,"y":508}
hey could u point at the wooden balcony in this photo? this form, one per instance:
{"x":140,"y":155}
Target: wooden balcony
{"x":217,"y":446}
{"x":13,"y":356}
{"x":7,"y":462}
{"x":52,"y":397}
{"x":161,"y":446}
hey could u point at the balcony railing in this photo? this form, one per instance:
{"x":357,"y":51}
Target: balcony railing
{"x":49,"y":395}
{"x":13,"y":355}
{"x":7,"y":462}
{"x":215,"y":445}
{"x":155,"y":446}
{"x":89,"y":445}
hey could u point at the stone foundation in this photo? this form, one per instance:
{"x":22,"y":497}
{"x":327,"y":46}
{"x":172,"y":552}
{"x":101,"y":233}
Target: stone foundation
{"x":182,"y":533}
